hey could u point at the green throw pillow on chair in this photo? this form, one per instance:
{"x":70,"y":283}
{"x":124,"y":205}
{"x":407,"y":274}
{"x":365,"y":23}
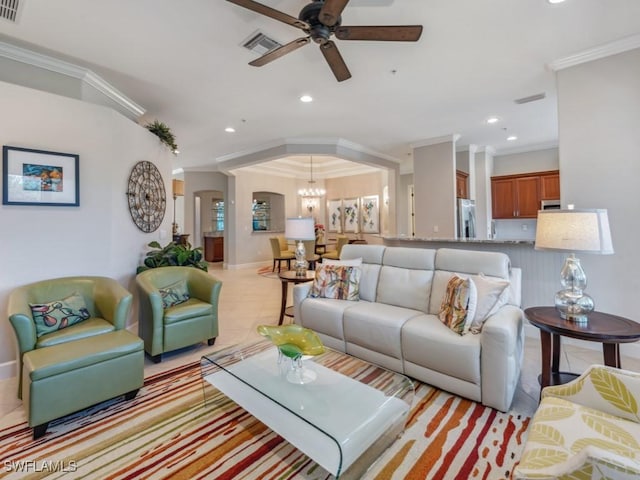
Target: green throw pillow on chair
{"x":174,"y":294}
{"x":59,"y":314}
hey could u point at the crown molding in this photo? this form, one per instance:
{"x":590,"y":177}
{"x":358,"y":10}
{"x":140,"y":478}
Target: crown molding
{"x":528,"y":148}
{"x":85,"y":75}
{"x":435,"y":140}
{"x":613,"y":48}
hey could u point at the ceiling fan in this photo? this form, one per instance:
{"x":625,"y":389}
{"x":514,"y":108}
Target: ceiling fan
{"x":320,"y":20}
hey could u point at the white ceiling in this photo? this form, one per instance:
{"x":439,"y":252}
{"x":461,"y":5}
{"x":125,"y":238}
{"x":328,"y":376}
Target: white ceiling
{"x":184,"y":63}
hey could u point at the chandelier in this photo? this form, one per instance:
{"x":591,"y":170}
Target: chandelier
{"x":311,"y":191}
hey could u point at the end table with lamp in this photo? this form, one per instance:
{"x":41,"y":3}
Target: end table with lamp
{"x":584,"y":231}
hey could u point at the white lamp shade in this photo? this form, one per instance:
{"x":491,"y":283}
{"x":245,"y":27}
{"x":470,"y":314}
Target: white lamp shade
{"x":300,"y":228}
{"x":578,"y":231}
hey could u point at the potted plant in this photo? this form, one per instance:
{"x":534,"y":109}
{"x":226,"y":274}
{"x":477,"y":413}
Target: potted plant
{"x":173,"y":254}
{"x":163,"y":132}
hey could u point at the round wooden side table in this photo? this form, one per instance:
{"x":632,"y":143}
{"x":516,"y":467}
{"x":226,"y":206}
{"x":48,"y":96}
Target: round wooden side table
{"x":290,"y":277}
{"x":610,"y":330}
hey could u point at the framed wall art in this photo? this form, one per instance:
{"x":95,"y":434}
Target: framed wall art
{"x":334,"y":213}
{"x":351,"y":215}
{"x":370,"y":214}
{"x":38,"y":177}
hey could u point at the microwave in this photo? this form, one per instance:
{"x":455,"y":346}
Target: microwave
{"x":550,"y":205}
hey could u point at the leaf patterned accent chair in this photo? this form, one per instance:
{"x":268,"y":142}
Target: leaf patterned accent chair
{"x":588,"y":428}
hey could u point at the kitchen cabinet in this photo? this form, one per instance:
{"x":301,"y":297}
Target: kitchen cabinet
{"x":213,"y":249}
{"x":515,"y":196}
{"x":550,"y":185}
{"x":462,"y":190}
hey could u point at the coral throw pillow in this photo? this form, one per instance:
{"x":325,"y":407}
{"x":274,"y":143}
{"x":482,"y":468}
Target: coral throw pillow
{"x":336,"y":281}
{"x":59,"y":314}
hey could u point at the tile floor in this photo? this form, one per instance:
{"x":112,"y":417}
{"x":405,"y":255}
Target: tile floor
{"x":248,"y":300}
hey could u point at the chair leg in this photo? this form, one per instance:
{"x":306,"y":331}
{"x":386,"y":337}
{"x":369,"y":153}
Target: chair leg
{"x":274,"y":265}
{"x":288,"y":264}
{"x":131,"y":395}
{"x":211,"y":341}
{"x":39,"y":430}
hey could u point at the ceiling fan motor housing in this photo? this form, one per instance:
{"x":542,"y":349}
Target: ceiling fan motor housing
{"x":318,"y":31}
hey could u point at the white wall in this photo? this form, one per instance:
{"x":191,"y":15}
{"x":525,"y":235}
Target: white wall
{"x":525,"y":162}
{"x":253,"y":248}
{"x":435,"y":193}
{"x":599,"y":121}
{"x":96,"y":238}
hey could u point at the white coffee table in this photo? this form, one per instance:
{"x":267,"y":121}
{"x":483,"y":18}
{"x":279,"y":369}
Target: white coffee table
{"x":343,"y":420}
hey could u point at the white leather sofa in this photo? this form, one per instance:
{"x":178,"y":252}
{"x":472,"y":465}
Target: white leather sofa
{"x":395,"y":323}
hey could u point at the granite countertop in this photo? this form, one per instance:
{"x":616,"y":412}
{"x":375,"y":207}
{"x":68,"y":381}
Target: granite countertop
{"x":461,"y":240}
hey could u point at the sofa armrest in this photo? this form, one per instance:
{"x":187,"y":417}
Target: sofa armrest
{"x":608,"y":389}
{"x":113,"y":301}
{"x":501,"y":341}
{"x":300,"y":292}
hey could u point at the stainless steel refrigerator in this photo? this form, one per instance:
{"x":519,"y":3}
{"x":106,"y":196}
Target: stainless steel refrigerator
{"x":466,"y":213}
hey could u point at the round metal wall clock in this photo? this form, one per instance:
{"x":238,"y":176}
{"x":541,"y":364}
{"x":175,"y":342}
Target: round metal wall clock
{"x":147,"y":197}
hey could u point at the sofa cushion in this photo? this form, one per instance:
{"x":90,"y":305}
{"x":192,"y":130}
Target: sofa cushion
{"x":337,"y":282}
{"x":427,"y":341}
{"x":59,"y":314}
{"x":562,"y":434}
{"x":88,"y":328}
{"x":404,"y":287}
{"x":324,"y":315}
{"x":376,"y":326}
{"x":493,"y":264}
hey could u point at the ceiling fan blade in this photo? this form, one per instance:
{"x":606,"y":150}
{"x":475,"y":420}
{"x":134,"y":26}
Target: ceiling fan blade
{"x":331,"y":11}
{"x":385,"y":33}
{"x":335,"y":61}
{"x":279,"y":52}
{"x":271,"y":12}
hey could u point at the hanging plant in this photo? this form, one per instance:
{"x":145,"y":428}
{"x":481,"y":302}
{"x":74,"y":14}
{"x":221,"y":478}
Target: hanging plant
{"x":163,"y":132}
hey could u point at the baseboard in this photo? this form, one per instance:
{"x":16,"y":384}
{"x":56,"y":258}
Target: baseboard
{"x":628,"y":349}
{"x":8,"y":370}
{"x":243,"y":266}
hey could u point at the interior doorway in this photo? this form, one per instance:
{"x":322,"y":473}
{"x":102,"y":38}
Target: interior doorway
{"x":209,"y":223}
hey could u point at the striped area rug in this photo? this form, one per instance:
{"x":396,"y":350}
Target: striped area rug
{"x":167,"y":432}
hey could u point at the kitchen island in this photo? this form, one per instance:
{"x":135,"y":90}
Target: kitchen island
{"x":540,"y":269}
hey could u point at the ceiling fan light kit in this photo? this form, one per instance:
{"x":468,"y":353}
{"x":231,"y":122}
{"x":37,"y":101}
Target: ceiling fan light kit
{"x":321,"y":19}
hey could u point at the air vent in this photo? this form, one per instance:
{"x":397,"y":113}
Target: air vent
{"x":9,"y":9}
{"x":532,"y":98}
{"x":260,"y":43}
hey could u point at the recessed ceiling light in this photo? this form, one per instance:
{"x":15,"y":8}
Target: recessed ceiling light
{"x":230,"y":130}
{"x":492,"y":120}
{"x":555,"y":1}
{"x":306,"y":98}
{"x":512,"y":138}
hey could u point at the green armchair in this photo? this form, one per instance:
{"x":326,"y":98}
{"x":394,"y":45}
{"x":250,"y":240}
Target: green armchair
{"x":107,"y":301}
{"x":66,"y":366}
{"x":164,"y":328}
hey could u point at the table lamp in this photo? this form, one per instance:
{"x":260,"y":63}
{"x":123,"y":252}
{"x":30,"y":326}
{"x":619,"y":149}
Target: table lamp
{"x":574,"y":230}
{"x":178,"y":191}
{"x":299,"y":229}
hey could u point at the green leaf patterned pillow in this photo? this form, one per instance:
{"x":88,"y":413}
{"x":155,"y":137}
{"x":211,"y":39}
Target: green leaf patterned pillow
{"x":174,"y":294}
{"x":336,"y":281}
{"x":59,"y":314}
